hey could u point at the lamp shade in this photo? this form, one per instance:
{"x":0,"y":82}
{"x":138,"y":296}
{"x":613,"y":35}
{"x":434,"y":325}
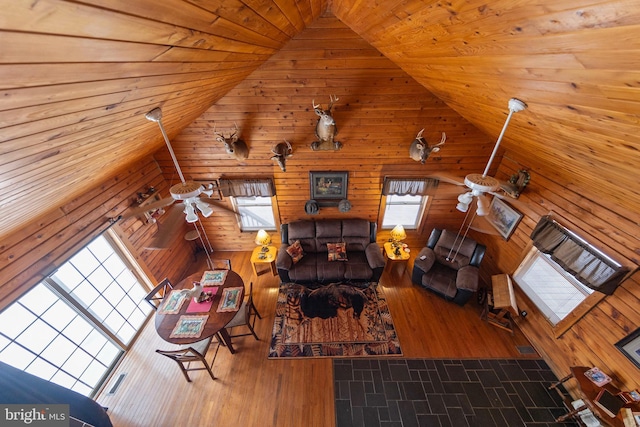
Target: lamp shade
{"x":263,"y":238}
{"x":398,"y":233}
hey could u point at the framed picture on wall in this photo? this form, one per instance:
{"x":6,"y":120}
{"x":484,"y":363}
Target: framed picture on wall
{"x":330,"y":186}
{"x":503,"y":217}
{"x":630,"y":347}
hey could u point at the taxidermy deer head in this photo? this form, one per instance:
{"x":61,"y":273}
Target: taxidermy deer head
{"x":233,"y":145}
{"x":281,"y":152}
{"x":326,"y":129}
{"x":420,"y":151}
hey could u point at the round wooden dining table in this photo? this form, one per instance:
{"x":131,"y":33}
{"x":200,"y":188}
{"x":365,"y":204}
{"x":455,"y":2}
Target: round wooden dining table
{"x":216,"y":321}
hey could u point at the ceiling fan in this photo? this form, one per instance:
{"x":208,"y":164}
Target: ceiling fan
{"x":481,"y":184}
{"x":188,"y":198}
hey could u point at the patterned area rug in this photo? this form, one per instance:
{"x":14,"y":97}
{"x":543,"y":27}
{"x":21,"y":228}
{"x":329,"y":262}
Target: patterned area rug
{"x":335,"y":320}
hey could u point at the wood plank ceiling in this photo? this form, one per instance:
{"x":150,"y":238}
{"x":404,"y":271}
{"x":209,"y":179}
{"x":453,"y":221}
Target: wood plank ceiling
{"x":76,"y":78}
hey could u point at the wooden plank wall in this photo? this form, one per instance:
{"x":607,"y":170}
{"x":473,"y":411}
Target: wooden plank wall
{"x":37,"y":250}
{"x":591,"y":340}
{"x":379,"y":112}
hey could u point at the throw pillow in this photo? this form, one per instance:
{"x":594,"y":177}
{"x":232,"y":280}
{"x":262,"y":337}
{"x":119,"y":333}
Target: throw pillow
{"x":295,"y":251}
{"x":337,"y":251}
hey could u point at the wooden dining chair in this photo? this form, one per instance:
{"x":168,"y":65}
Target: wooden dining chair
{"x":194,"y":354}
{"x":245,"y":317}
{"x":221,"y":264}
{"x":157,"y":294}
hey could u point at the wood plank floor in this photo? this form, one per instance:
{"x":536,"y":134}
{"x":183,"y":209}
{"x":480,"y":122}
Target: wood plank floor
{"x":251,"y":390}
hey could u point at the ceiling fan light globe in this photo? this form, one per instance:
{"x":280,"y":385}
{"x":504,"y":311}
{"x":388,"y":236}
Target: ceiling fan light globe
{"x":204,"y":208}
{"x":483,"y":206}
{"x":192,"y":216}
{"x":462,"y":207}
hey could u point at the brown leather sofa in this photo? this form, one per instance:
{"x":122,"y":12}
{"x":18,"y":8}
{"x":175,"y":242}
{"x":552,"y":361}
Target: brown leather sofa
{"x":449,"y":267}
{"x":364,"y":263}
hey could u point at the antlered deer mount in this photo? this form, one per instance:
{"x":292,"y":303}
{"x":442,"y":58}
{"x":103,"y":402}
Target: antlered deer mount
{"x":326,"y":129}
{"x":420,"y":150}
{"x":234,"y":145}
{"x":281,"y":152}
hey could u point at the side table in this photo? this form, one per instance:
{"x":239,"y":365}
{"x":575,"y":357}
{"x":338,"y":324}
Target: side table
{"x":590,"y":392}
{"x":394,"y":260}
{"x":259,"y":257}
{"x":504,"y":303}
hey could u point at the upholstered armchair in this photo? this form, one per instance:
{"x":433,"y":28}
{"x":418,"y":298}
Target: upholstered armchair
{"x":448,"y":267}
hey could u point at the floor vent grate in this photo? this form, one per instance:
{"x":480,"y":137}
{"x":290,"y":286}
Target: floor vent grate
{"x":526,"y":349}
{"x":116,"y":384}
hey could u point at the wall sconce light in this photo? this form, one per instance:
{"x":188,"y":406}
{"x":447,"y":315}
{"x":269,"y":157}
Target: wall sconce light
{"x":398,"y":234}
{"x":263,"y":238}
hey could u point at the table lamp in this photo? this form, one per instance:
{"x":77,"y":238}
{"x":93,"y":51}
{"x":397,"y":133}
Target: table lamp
{"x":263,"y":238}
{"x":398,"y":234}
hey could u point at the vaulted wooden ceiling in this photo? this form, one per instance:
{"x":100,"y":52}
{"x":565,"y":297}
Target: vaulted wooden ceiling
{"x":77,"y":78}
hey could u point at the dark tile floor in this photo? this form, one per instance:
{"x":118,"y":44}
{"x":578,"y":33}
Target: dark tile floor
{"x":445,"y":393}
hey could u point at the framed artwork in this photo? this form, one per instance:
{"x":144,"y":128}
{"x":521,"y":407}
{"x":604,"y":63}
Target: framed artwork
{"x":330,"y":186}
{"x":630,"y":347}
{"x":503,"y":217}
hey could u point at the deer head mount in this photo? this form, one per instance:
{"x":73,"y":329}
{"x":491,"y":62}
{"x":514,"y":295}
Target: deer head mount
{"x":281,"y":152}
{"x":233,"y":145}
{"x":326,"y":128}
{"x":420,"y":150}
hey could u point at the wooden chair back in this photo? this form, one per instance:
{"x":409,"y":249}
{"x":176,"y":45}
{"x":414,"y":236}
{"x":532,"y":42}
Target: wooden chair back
{"x":246,"y":316}
{"x":157,"y":294}
{"x":195,"y":353}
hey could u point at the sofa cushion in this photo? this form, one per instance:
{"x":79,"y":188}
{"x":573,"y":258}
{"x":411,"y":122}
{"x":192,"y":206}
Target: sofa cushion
{"x":356,"y":234}
{"x":337,"y":251}
{"x":305,"y":231}
{"x":327,"y":231}
{"x":305,"y":270}
{"x":442,"y":280}
{"x":358,"y":267}
{"x":458,"y":251}
{"x":295,"y":251}
{"x":329,"y":271}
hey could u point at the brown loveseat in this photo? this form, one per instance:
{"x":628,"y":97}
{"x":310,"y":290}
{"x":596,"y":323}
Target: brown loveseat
{"x":364,"y":260}
{"x":449,"y":266}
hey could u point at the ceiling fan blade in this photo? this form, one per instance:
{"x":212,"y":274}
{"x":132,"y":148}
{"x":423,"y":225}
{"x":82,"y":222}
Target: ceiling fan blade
{"x":481,"y":225}
{"x":167,"y":229}
{"x":139,"y":210}
{"x":217,"y":205}
{"x":510,"y":200}
{"x":448,"y":178}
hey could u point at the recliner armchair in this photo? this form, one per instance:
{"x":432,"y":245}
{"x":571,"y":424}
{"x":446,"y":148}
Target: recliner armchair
{"x":448,"y":267}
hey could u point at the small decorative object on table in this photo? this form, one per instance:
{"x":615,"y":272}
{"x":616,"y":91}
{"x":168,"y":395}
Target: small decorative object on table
{"x":196,"y":291}
{"x":598,"y":377}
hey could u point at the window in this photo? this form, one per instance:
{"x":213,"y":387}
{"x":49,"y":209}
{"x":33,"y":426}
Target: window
{"x":549,"y":287}
{"x":72,"y":327}
{"x":403,"y":209}
{"x":256,"y":213}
